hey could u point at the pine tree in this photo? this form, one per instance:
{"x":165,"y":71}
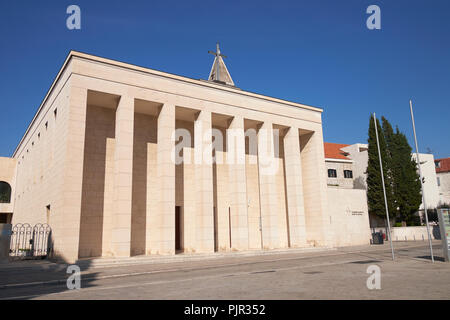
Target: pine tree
{"x":375,"y":197}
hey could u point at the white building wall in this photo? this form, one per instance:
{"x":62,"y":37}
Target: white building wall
{"x":349,"y":216}
{"x":358,"y":153}
{"x":444,"y":187}
{"x":8,"y":174}
{"x":429,"y":174}
{"x":340,"y":180}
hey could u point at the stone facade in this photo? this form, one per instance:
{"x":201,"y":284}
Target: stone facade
{"x":430,"y":185}
{"x":347,"y":200}
{"x":8,"y":181}
{"x":442,"y":167}
{"x":98,"y":163}
{"x":444,"y":187}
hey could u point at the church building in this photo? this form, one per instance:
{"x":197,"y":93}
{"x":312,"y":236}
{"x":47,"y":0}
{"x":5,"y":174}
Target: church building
{"x":122,"y":160}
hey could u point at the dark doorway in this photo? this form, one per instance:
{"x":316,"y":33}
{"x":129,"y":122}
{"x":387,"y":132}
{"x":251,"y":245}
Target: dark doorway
{"x":229,"y":224}
{"x":216,"y":235}
{"x":178,"y":228}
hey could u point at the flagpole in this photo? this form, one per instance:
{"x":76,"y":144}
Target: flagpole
{"x":384,"y":188}
{"x":421,"y":181}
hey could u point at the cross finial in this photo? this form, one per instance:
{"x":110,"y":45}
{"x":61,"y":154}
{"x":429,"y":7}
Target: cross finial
{"x":217,"y":53}
{"x":219,"y":72}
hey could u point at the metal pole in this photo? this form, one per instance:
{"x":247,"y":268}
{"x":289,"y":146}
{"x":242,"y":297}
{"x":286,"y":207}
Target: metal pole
{"x":384,"y":188}
{"x":421,"y":181}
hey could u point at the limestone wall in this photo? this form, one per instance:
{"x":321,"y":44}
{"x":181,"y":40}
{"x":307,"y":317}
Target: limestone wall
{"x":8,"y":175}
{"x":340,"y":180}
{"x":418,"y":233}
{"x":96,"y":166}
{"x":444,"y":188}
{"x":40,"y":163}
{"x":97,"y":189}
{"x":349,"y":216}
{"x":431,"y":189}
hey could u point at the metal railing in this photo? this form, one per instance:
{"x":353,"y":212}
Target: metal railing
{"x":30,"y":242}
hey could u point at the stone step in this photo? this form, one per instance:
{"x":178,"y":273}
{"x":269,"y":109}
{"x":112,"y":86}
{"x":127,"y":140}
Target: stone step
{"x":185,"y":257}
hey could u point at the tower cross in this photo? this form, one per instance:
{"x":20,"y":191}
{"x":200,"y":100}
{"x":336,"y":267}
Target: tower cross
{"x":217,"y":54}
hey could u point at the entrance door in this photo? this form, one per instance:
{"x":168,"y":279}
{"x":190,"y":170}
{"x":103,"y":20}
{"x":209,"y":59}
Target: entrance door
{"x":216,"y":235}
{"x":178,"y":228}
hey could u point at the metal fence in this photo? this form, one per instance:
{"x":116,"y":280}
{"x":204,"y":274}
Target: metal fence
{"x":30,"y":242}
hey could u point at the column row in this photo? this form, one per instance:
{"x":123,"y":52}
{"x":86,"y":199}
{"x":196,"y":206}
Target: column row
{"x":160,"y":226}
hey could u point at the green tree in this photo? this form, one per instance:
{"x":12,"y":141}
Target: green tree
{"x":401,"y":171}
{"x":389,"y":168}
{"x":375,"y":197}
{"x":407,"y":188}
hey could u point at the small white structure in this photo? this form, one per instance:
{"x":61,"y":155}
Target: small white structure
{"x":358,"y":153}
{"x":341,"y":158}
{"x":347,"y":201}
{"x":430,"y":186}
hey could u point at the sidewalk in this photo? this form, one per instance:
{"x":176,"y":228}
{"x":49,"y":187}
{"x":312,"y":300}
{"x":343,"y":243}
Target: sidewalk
{"x":186,"y":257}
{"x":276,"y":274}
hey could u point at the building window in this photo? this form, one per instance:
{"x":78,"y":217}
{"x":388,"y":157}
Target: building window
{"x":348,"y":174}
{"x":437,"y":164}
{"x":438,"y":181}
{"x":5,"y":192}
{"x":332,"y":173}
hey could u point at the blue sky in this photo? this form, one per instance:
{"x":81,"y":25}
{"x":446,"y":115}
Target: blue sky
{"x":314,"y":52}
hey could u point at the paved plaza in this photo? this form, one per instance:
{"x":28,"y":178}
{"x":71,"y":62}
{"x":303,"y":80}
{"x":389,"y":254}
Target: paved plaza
{"x":326,"y":274}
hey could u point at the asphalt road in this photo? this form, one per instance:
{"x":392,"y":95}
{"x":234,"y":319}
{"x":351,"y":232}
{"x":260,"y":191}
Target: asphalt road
{"x":333,"y":274}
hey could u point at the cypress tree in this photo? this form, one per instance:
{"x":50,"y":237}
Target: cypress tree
{"x":375,"y":197}
{"x":407,"y":188}
{"x":401,"y":172}
{"x":390,"y":169}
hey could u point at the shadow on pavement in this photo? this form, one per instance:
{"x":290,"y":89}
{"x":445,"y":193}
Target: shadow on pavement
{"x":37,"y":278}
{"x":436,"y":258}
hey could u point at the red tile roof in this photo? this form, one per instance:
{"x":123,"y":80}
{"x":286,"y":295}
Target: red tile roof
{"x":444,"y":165}
{"x":333,"y":151}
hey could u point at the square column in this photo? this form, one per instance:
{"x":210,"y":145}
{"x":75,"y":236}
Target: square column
{"x":189,"y":201}
{"x":165,"y":214}
{"x":66,"y":224}
{"x":238,"y":183}
{"x":267,"y":169}
{"x":204,"y":182}
{"x":123,"y":178}
{"x":294,"y":188}
{"x":315,"y":189}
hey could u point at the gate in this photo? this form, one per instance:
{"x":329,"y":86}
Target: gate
{"x":29,"y":242}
